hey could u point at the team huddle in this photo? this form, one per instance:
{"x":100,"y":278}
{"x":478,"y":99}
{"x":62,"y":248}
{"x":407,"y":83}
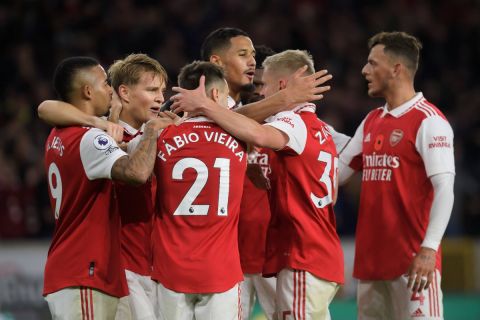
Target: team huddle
{"x":162,"y":216}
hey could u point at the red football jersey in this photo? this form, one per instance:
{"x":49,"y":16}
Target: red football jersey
{"x":200,"y":169}
{"x":136,"y":207}
{"x":302,"y":233}
{"x":400,"y":149}
{"x":85,"y":249}
{"x":254,"y":218}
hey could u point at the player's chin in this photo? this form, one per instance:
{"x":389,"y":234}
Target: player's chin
{"x":373,"y":93}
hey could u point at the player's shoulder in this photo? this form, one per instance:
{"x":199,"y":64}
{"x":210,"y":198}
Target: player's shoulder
{"x":425,"y":109}
{"x":375,"y":113}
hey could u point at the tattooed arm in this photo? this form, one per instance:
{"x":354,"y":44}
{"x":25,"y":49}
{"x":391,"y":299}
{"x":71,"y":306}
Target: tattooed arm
{"x":137,"y":167}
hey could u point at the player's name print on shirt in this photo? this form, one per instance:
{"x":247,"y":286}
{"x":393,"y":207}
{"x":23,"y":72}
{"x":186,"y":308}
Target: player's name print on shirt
{"x":179,"y":141}
{"x":57,"y":145}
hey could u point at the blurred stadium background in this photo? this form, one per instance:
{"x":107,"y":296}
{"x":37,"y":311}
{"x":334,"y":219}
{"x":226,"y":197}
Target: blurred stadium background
{"x":36,"y":34}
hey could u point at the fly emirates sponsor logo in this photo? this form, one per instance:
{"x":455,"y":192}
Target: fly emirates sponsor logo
{"x":378,"y":167}
{"x":179,"y":141}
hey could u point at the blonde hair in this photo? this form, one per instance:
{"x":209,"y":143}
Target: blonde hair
{"x":289,"y":61}
{"x":128,"y":71}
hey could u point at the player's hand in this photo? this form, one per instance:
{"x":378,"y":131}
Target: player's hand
{"x":302,"y":89}
{"x":114,"y":130}
{"x":192,"y":101}
{"x":170,"y":115}
{"x":255,"y":174}
{"x":115,"y":108}
{"x":164,"y":119}
{"x":420,"y":274}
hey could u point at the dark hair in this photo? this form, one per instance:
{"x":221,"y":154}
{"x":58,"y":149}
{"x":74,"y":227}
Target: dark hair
{"x":190,"y":74}
{"x":262,"y":52}
{"x":218,"y":40}
{"x":65,"y":74}
{"x":400,"y":44}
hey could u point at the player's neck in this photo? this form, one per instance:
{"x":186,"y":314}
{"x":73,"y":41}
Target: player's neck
{"x":399,"y":94}
{"x":128,"y":119}
{"x":84,"y":106}
{"x":235,"y":95}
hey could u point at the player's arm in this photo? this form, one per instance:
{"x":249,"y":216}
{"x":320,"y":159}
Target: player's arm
{"x":246,"y":129}
{"x":137,"y":167}
{"x":440,"y":168}
{"x":349,"y":154}
{"x":59,"y":113}
{"x":299,"y":89}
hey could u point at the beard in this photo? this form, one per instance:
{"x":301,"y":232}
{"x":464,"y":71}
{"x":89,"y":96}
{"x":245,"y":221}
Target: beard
{"x":247,"y":88}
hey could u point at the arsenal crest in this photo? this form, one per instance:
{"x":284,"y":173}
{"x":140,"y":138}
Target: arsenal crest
{"x":395,"y":137}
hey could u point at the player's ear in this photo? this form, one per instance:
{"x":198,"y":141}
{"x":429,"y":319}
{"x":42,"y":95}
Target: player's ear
{"x":282,"y":84}
{"x":215,"y":94}
{"x":86,"y":92}
{"x":215,"y":59}
{"x":397,"y":69}
{"x":124,"y":93}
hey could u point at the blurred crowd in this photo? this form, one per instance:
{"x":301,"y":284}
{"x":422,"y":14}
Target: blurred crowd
{"x":36,"y":34}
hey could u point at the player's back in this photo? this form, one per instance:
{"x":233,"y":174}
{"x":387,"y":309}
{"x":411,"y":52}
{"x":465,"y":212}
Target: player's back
{"x":302,"y":233}
{"x":85,"y":246}
{"x":200,"y":169}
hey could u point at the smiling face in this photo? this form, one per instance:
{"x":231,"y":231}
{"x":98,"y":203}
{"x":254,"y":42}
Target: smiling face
{"x":238,"y":62}
{"x":378,"y":71}
{"x":143,"y":100}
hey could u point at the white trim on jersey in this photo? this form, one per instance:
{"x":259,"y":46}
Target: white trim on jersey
{"x":98,"y":152}
{"x":293,"y":126}
{"x":130,"y":130}
{"x":404,"y":107}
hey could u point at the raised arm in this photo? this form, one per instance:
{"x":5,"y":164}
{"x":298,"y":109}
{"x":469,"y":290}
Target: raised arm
{"x":240,"y":126}
{"x":299,"y":89}
{"x":137,"y":167}
{"x":59,"y":113}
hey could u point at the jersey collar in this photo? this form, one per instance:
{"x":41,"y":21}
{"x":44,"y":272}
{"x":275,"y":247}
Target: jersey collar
{"x":232,"y":104}
{"x":129,"y":129}
{"x":305,"y":107}
{"x":199,"y":119}
{"x":403,"y":108}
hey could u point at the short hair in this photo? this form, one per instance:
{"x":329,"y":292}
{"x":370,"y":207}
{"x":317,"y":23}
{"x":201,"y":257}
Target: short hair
{"x":262,"y":52}
{"x":66,"y":72}
{"x":189,"y":76}
{"x":400,"y":44}
{"x":128,"y":71}
{"x":290,"y":61}
{"x":218,"y":40}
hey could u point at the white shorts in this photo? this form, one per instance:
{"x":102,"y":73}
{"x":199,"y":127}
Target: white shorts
{"x":254,"y":285}
{"x":393,"y":300}
{"x":188,"y":306}
{"x":301,"y":295}
{"x":141,"y":301}
{"x":81,"y":303}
